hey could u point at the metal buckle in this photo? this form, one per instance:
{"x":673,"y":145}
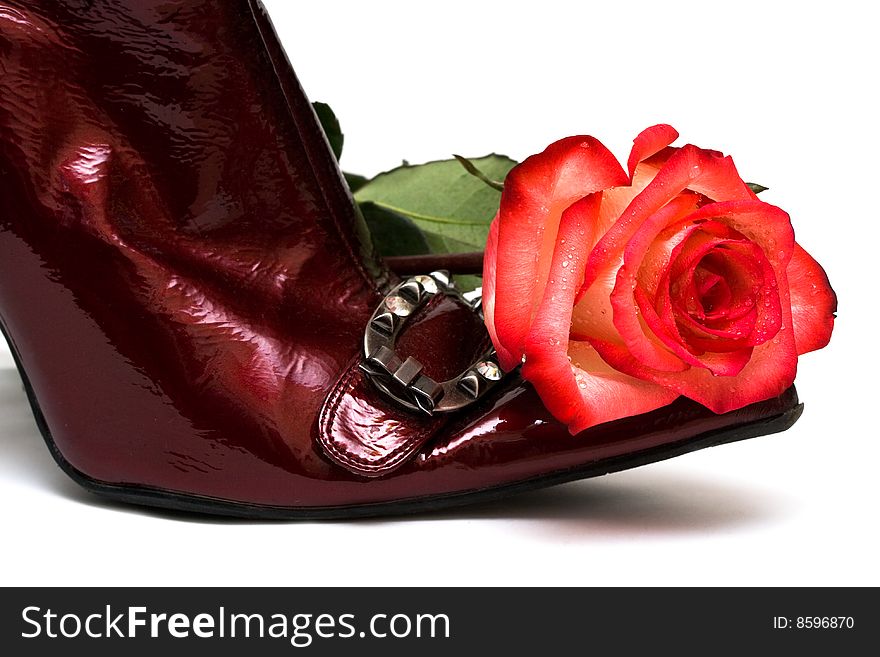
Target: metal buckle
{"x":403,"y":380}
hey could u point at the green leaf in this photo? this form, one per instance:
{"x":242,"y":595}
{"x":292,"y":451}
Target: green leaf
{"x":393,"y":234}
{"x":331,"y":127}
{"x":355,"y":181}
{"x":471,"y":168}
{"x":468,"y":283}
{"x":451,"y":207}
{"x":755,"y":187}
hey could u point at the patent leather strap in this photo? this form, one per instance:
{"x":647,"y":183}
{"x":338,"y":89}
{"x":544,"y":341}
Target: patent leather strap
{"x":380,"y":413}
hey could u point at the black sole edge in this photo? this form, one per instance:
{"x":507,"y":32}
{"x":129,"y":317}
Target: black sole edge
{"x":163,"y":499}
{"x":158,"y":498}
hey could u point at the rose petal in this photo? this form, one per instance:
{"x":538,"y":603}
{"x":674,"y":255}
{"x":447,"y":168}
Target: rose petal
{"x":650,"y":142}
{"x":742,"y":262}
{"x":756,"y":315}
{"x":645,"y":346}
{"x":547,"y":365}
{"x":769,"y":228}
{"x":690,"y":167}
{"x":576,"y":236}
{"x":766,"y":225}
{"x":590,"y":392}
{"x":772,"y":366}
{"x":536,"y":193}
{"x":813,"y":302}
{"x":506,"y":358}
{"x":769,"y":372}
{"x":607,"y":394}
{"x":719,"y":363}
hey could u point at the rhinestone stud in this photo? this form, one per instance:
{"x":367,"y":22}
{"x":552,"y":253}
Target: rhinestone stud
{"x":428,"y":284}
{"x":489,"y":370}
{"x":399,"y":306}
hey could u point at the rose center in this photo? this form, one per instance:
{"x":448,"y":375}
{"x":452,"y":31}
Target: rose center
{"x":721,"y":291}
{"x":712,"y":289}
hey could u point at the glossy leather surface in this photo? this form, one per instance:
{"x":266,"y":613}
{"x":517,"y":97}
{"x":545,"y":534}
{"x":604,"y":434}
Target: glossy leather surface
{"x":185,"y":281}
{"x":359,"y":430}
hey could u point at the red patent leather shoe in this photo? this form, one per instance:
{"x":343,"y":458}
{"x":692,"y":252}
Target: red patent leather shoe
{"x":196,"y":309}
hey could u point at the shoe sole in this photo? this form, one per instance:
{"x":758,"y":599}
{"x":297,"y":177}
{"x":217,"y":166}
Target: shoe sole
{"x":163,"y":499}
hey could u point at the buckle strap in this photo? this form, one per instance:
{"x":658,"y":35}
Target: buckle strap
{"x":403,"y":380}
{"x":379,"y":414}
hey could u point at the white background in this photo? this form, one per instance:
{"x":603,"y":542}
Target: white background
{"x":786,"y":88}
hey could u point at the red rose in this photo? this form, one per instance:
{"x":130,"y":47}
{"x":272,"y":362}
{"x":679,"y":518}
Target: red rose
{"x":621,"y":292}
